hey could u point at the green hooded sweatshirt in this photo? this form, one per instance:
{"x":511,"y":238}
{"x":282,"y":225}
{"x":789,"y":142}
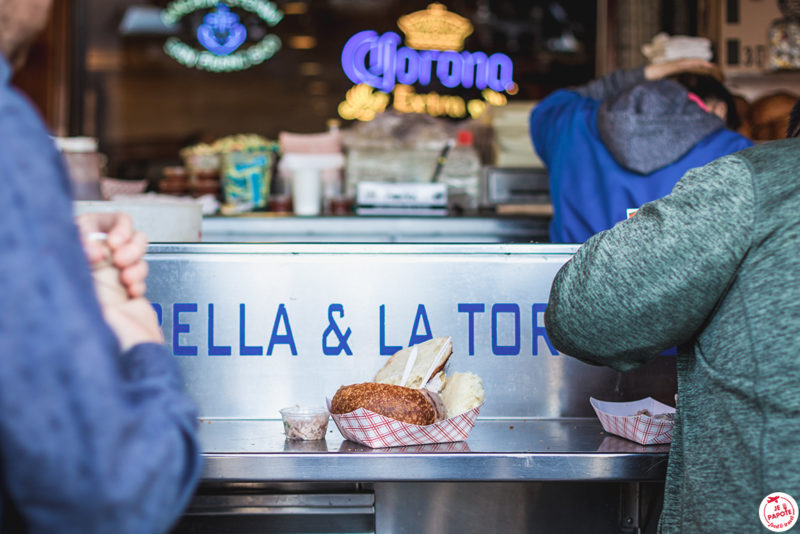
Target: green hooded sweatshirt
{"x":713,"y":268}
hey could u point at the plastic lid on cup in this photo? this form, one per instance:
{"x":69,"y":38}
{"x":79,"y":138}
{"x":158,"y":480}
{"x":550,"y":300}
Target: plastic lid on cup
{"x":76,"y":144}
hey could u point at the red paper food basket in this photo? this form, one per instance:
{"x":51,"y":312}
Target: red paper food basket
{"x":375,"y":430}
{"x":619,"y":418}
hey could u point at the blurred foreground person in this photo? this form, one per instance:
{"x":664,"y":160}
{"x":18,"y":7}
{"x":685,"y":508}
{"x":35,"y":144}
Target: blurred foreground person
{"x":714,"y":268}
{"x":96,"y":435}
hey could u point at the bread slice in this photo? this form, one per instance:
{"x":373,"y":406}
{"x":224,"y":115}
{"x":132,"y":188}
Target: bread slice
{"x":462,"y":392}
{"x":419,"y":362}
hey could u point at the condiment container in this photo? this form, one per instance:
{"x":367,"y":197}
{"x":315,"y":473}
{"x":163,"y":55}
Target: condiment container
{"x":246,"y":176}
{"x":305,"y":423}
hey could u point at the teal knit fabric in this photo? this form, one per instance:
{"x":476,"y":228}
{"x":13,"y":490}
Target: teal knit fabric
{"x":713,"y":268}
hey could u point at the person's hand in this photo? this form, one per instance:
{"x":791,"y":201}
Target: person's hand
{"x":127,"y":247}
{"x":657,"y":71}
{"x":134,"y":322}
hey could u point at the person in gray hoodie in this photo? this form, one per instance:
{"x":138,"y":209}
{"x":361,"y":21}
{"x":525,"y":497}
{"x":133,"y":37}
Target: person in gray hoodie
{"x":714,"y":269}
{"x":627,"y":138}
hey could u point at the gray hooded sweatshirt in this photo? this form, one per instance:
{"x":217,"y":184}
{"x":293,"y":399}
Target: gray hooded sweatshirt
{"x":647,"y":125}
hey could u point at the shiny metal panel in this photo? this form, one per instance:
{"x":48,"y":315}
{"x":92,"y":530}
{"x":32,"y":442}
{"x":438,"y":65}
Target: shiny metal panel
{"x":375,"y":229}
{"x":283,"y":503}
{"x":530,"y":508}
{"x":263,"y":326}
{"x":496,"y":450}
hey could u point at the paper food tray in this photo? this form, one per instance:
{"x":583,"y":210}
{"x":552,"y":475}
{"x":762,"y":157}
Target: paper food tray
{"x":618,"y":418}
{"x":376,"y":431}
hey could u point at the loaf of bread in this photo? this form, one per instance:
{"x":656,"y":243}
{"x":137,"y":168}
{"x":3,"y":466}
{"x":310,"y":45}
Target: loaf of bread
{"x":418,"y":363}
{"x":409,"y":405}
{"x":408,"y":387}
{"x":462,"y":392}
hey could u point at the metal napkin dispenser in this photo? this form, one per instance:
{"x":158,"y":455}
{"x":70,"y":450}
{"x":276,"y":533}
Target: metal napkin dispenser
{"x":385,"y":198}
{"x":515,"y":185}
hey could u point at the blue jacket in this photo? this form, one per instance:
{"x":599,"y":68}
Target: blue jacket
{"x":618,"y":143}
{"x":92,"y":440}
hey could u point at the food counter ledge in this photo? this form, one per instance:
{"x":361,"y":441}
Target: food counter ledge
{"x":268,"y":227}
{"x":257,"y":327}
{"x":567,"y":449}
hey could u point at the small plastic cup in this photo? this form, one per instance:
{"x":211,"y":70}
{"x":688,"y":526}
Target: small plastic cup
{"x":306,"y":424}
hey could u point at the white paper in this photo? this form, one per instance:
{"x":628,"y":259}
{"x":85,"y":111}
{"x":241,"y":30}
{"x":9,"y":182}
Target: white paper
{"x":412,"y":358}
{"x":627,"y":409}
{"x":437,"y":361}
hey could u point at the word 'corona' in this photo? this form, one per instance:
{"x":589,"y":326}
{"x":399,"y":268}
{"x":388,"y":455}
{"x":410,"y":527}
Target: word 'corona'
{"x":377,"y":61}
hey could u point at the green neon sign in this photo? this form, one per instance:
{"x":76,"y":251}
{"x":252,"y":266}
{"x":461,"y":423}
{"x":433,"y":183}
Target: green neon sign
{"x":222,"y":53}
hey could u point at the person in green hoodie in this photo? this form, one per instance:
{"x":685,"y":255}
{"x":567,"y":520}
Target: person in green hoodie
{"x":713,"y":268}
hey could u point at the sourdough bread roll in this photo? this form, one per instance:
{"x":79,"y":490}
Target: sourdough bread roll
{"x":462,"y":392}
{"x":409,"y":405}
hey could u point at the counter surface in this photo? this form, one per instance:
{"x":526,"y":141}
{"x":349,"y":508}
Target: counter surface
{"x":574,"y":449}
{"x":265,"y":227}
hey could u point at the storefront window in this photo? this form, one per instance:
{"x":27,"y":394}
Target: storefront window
{"x":158,"y":76}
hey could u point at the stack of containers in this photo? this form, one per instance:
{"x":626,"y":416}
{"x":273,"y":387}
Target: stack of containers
{"x":310,"y":169}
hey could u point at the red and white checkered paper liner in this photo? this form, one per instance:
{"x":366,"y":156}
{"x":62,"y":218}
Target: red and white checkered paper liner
{"x":375,"y":430}
{"x":618,"y":418}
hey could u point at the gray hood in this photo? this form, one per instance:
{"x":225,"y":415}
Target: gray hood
{"x":653,"y":124}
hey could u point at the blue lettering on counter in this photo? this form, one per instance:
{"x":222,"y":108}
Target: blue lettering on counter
{"x":471,"y":309}
{"x":179,"y":328}
{"x":417,"y":338}
{"x":333,"y":328}
{"x":281,"y":339}
{"x":505,"y":330}
{"x":244,"y":350}
{"x":505,"y":350}
{"x":385,"y":350}
{"x":159,"y":313}
{"x":540,"y":331}
{"x":214,"y":350}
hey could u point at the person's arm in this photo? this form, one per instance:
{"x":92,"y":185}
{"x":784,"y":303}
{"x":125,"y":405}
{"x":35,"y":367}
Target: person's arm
{"x":651,"y":282}
{"x":555,"y":117}
{"x":611,"y":83}
{"x":92,"y":440}
{"x":616,"y":81}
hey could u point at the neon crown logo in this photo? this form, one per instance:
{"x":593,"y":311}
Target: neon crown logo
{"x":435,"y":28}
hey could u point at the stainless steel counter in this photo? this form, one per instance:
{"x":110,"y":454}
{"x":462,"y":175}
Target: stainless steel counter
{"x":497,"y":450}
{"x":256,"y":327}
{"x":257,"y":228}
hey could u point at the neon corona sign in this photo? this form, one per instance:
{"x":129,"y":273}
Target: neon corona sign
{"x":222,"y":34}
{"x":378,"y":62}
{"x":436,"y":38}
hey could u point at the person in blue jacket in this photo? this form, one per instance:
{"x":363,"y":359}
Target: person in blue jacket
{"x":96,"y":434}
{"x":627,"y":138}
